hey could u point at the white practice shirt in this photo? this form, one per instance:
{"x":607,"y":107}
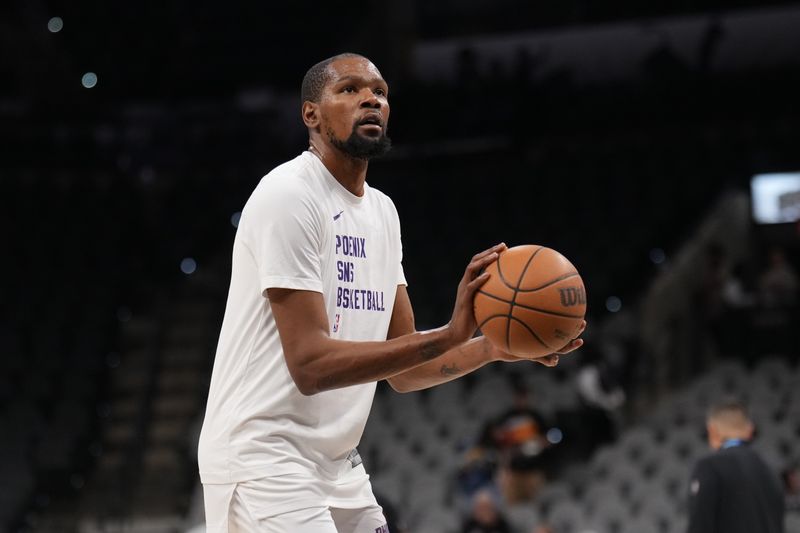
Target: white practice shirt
{"x":300,"y":229}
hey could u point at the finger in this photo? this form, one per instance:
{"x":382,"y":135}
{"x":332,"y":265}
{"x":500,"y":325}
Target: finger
{"x":497,"y":248}
{"x":548,"y":360}
{"x":571,"y":347}
{"x":486,"y":259}
{"x":476,"y":283}
{"x":475,"y":267}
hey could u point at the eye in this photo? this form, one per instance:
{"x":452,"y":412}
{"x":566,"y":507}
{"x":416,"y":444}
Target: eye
{"x":380,"y":92}
{"x":349,"y":89}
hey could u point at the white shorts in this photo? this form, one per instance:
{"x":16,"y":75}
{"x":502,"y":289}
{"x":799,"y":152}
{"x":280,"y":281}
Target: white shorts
{"x":292,"y":504}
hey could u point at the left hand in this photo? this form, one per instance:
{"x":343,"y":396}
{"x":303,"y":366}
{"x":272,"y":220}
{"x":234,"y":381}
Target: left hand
{"x":550,"y":360}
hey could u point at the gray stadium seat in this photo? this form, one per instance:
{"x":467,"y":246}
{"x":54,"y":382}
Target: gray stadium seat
{"x":523,"y":517}
{"x":566,"y":516}
{"x":638,"y":443}
{"x":792,"y":522}
{"x":686,"y":443}
{"x":609,"y":514}
{"x":774,"y":370}
{"x":640,"y":525}
{"x":491,"y":396}
{"x":553,"y":493}
{"x":437,"y":519}
{"x":657,"y":508}
{"x":605,"y":460}
{"x":593,"y":496}
{"x":680,"y":524}
{"x":674,"y":479}
{"x":625,"y":478}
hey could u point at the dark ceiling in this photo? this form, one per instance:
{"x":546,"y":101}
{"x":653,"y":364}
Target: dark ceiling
{"x":143,"y":50}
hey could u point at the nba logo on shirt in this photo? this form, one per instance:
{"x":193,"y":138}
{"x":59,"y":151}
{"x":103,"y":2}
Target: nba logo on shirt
{"x":336,"y":323}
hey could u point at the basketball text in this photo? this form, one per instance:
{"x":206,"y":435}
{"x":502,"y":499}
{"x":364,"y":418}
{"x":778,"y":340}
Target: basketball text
{"x":572,"y":296}
{"x":351,"y":246}
{"x":347,"y":296}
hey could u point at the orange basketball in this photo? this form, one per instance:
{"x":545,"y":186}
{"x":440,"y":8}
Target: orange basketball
{"x":533,"y":302}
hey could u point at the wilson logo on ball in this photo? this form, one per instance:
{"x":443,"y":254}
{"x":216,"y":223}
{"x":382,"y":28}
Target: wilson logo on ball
{"x":572,"y":296}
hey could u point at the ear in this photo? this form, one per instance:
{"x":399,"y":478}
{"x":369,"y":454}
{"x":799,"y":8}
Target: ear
{"x":310,"y":115}
{"x":712,"y":434}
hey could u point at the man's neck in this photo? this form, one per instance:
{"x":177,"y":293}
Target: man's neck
{"x":349,"y":171}
{"x":730,"y":439}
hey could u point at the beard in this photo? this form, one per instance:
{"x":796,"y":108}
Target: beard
{"x":359,"y":146}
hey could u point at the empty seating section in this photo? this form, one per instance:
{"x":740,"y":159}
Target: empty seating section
{"x":638,"y":484}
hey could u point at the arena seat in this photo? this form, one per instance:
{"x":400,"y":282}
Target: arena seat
{"x":566,"y":516}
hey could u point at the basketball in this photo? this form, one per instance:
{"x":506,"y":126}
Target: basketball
{"x":533,"y":302}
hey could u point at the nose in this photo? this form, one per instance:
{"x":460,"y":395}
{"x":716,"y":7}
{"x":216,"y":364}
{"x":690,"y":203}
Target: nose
{"x":370,"y":100}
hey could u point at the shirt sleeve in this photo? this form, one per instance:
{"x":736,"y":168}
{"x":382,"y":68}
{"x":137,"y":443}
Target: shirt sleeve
{"x":401,"y":276}
{"x":703,"y":493}
{"x":282,"y":230}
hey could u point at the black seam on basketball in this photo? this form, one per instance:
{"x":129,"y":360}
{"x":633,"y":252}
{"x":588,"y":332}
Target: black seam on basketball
{"x":516,"y":291}
{"x":546,"y":312}
{"x":494,"y":297}
{"x":488,"y":318}
{"x":553,"y":282}
{"x":535,"y":336}
{"x":528,"y":264}
{"x":507,"y":315}
{"x":502,"y":277}
{"x":500,"y":270}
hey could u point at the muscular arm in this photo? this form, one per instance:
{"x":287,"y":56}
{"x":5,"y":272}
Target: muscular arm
{"x":454,"y":363}
{"x":317,"y":362}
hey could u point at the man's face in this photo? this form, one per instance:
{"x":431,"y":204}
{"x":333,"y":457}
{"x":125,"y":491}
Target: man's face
{"x":354,"y":109}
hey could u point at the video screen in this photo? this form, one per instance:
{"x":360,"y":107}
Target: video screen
{"x":775,"y":197}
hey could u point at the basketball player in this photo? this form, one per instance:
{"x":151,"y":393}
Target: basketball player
{"x":317,"y":313}
{"x":733,"y":490}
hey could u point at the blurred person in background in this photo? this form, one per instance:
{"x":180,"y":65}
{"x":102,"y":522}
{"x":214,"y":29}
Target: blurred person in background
{"x":708,"y":301}
{"x":485,"y":516}
{"x":733,"y":490}
{"x":778,"y":286}
{"x":317,"y":313}
{"x":738,"y":303}
{"x":601,"y":396}
{"x":791,"y":486}
{"x":509,"y":456}
{"x":478,"y":465}
{"x":519,"y":435}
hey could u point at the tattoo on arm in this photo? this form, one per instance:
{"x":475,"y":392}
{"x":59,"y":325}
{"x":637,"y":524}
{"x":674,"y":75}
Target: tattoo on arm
{"x":430,"y":350}
{"x":451,"y":370}
{"x":327,"y":383}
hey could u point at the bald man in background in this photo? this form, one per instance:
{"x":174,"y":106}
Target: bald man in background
{"x":733,"y":490}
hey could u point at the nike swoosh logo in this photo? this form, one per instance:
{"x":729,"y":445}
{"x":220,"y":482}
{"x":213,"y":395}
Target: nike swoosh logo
{"x":336,"y":216}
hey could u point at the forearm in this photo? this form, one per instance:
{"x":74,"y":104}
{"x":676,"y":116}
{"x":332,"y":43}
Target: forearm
{"x":330,"y":364}
{"x":318,"y":363}
{"x":453,"y":364}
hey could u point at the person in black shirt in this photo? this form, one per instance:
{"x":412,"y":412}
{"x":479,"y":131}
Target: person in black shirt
{"x":733,"y":490}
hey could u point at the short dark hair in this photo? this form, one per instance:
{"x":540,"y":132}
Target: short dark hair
{"x":317,"y":76}
{"x":730,"y":411}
